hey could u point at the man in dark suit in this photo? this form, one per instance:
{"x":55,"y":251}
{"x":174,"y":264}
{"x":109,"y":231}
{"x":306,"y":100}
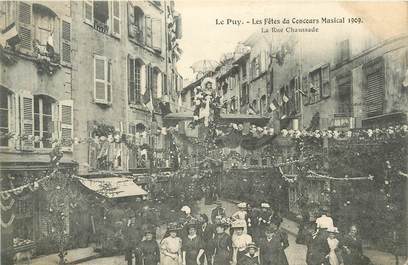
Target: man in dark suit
{"x":273,"y":245}
{"x":217,"y":211}
{"x":206,"y":231}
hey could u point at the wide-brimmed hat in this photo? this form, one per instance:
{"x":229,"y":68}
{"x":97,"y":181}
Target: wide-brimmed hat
{"x":173,"y":227}
{"x":265,"y":205}
{"x":242,"y":205}
{"x":332,"y":230}
{"x":238,"y":224}
{"x":193,"y":223}
{"x":208,"y":80}
{"x":252,"y":245}
{"x":185,"y":209}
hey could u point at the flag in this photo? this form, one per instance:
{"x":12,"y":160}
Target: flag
{"x":301,"y":92}
{"x":50,"y":45}
{"x":9,"y":35}
{"x":147,"y":97}
{"x":275,"y":102}
{"x":285,"y":98}
{"x":272,"y":107}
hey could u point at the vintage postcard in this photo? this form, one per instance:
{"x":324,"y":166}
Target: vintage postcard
{"x":180,"y":132}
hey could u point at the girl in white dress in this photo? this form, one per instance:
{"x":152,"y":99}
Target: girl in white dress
{"x":334,"y":257}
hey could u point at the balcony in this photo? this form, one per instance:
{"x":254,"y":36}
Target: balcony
{"x":342,"y":122}
{"x":136,"y":34}
{"x":101,"y":26}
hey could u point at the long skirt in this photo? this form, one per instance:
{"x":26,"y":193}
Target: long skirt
{"x":166,"y":260}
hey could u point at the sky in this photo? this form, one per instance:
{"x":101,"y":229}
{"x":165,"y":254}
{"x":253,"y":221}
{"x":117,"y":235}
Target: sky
{"x":203,"y":39}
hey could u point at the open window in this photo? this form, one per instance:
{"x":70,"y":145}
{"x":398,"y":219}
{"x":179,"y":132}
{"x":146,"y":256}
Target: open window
{"x":45,"y":116}
{"x":104,"y":16}
{"x":137,"y":80}
{"x":136,"y":23}
{"x":262,"y":105}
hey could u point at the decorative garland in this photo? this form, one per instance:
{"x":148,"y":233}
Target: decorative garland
{"x":346,"y":178}
{"x":5,"y":225}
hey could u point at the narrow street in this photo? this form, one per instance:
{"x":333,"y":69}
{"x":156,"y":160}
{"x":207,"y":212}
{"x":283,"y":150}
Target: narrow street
{"x":295,"y":253}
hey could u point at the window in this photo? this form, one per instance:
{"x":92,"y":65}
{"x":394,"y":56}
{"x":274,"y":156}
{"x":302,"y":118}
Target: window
{"x":156,"y":83}
{"x":374,"y":87}
{"x":104,"y":16}
{"x":136,"y":23}
{"x":103,"y":82}
{"x":263,"y":106}
{"x":44,"y":113}
{"x":244,"y":94}
{"x":5,"y":107}
{"x":255,"y":67}
{"x":344,"y":95}
{"x":233,"y":105}
{"x":315,"y":88}
{"x":137,"y":81}
{"x":244,"y":71}
{"x":254,"y":105}
{"x":344,"y":50}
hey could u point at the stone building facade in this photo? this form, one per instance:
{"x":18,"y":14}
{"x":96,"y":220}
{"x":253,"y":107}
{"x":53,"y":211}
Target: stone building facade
{"x":80,"y":73}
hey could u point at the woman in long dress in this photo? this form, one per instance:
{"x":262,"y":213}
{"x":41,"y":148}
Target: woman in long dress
{"x":221,"y":246}
{"x":334,"y":256}
{"x":170,"y":247}
{"x":193,"y":247}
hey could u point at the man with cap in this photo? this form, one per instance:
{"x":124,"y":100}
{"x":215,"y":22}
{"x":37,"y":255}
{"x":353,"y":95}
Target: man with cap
{"x":220,"y":245}
{"x":149,"y":249}
{"x":273,"y":245}
{"x":251,"y":257}
{"x":217,"y":211}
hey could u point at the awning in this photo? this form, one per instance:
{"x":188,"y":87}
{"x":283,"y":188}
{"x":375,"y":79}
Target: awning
{"x":113,"y":187}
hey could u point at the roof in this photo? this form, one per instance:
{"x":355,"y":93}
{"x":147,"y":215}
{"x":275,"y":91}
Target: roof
{"x":113,"y":187}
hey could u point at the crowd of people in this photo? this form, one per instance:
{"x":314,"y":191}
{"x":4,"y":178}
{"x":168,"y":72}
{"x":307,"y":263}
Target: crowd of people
{"x":250,"y":236}
{"x":327,"y":246}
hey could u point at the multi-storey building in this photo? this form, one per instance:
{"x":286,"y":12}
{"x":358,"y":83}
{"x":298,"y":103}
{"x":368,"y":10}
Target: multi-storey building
{"x":82,"y":73}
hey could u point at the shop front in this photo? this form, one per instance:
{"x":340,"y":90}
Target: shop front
{"x":22,"y":201}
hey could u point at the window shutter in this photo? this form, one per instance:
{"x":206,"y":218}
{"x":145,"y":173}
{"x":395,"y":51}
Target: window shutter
{"x":66,"y":119}
{"x":27,"y":120}
{"x":25,"y":28}
{"x":66,"y":40}
{"x":100,"y":79}
{"x":88,"y":12}
{"x":116,"y":18}
{"x":159,"y":85}
{"x":131,"y":77}
{"x":148,"y":21}
{"x":143,"y":81}
{"x":108,"y":65}
{"x":55,"y":120}
{"x":131,"y":20}
{"x":157,"y":34}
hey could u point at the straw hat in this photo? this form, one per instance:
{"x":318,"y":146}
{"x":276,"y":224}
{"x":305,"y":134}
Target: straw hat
{"x":265,"y":205}
{"x":238,"y":224}
{"x":242,"y":205}
{"x":185,"y":209}
{"x":173,"y":227}
{"x":332,"y":230}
